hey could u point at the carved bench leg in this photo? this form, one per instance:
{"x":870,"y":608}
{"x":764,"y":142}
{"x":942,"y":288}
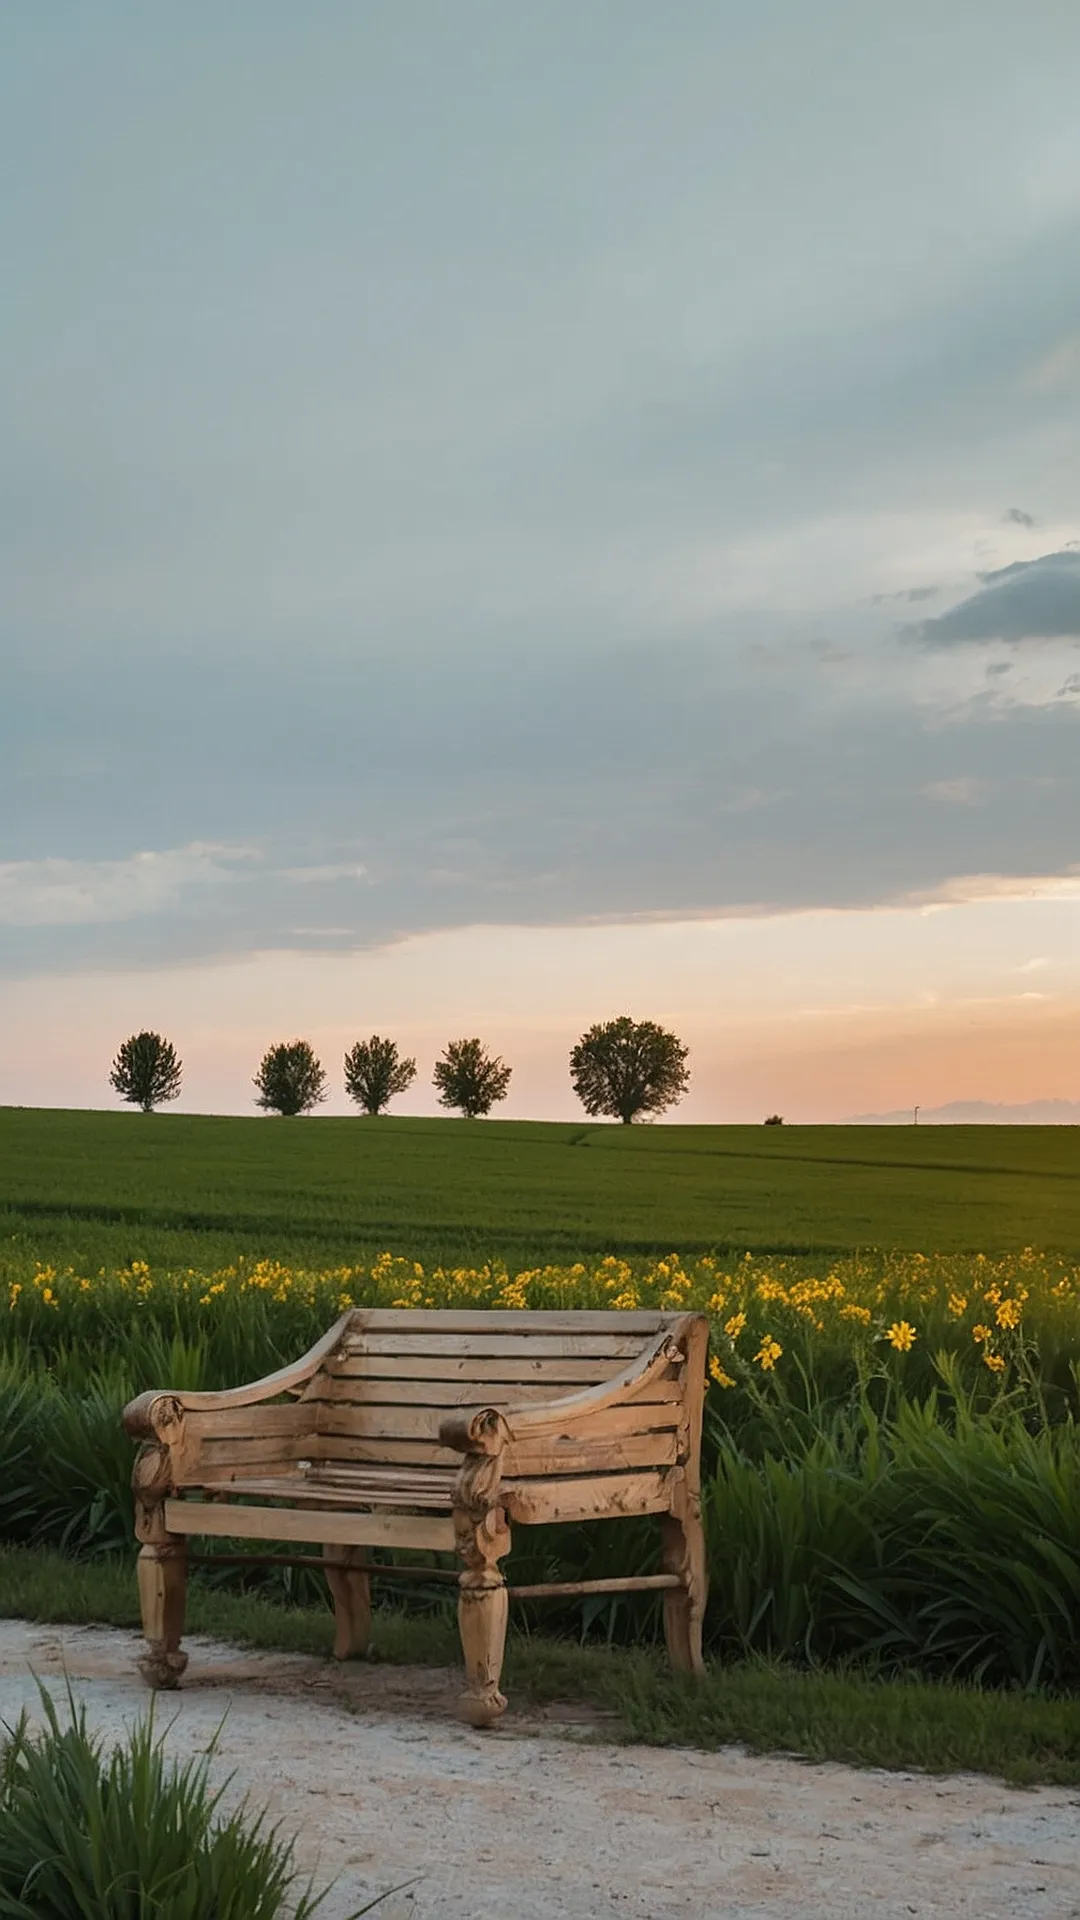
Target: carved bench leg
{"x":684,"y":1607}
{"x":483,"y":1604}
{"x":350,"y":1590}
{"x":162,"y":1564}
{"x":162,"y":1574}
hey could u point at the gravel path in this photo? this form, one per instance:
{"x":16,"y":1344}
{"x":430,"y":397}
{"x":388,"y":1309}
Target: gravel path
{"x":532,"y":1821}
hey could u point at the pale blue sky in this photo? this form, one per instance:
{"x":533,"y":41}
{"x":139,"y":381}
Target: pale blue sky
{"x":488,"y":466}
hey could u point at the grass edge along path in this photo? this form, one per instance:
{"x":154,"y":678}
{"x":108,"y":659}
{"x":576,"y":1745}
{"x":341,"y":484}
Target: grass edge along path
{"x":853,"y":1718}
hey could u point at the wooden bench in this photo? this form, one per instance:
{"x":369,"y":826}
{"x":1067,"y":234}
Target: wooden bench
{"x":434,"y":1430}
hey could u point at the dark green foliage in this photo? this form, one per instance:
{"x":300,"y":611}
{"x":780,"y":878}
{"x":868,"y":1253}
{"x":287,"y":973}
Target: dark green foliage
{"x":128,"y":1833}
{"x":853,"y":1717}
{"x":623,"y":1068}
{"x":146,"y":1071}
{"x":375,"y":1071}
{"x":290,"y":1079}
{"x":471,"y":1079}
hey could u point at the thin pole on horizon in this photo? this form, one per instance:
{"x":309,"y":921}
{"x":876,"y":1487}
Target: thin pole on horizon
{"x":916,"y":1116}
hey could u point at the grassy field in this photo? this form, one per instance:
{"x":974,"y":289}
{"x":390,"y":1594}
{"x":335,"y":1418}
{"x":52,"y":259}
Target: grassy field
{"x":891,"y":1474}
{"x":103,"y":1189}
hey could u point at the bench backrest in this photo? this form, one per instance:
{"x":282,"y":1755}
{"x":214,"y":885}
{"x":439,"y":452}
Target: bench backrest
{"x":378,"y":1396}
{"x":396,"y":1374}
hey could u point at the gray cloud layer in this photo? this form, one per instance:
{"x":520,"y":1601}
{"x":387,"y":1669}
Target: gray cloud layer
{"x":469,"y":465}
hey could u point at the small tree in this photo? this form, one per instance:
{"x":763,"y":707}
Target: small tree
{"x":147,"y":1071}
{"x":375,"y":1071}
{"x":775,"y":1120}
{"x":626,"y":1067}
{"x":469,"y":1078}
{"x":290,"y":1079}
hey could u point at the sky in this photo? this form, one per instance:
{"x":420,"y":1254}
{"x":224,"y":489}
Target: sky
{"x":512,"y":516}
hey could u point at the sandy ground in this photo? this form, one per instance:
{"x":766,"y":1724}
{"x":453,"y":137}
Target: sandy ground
{"x":380,"y":1784}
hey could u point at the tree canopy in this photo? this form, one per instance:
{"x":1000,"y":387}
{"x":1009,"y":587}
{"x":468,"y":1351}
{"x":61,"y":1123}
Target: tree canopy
{"x":147,"y":1071}
{"x":622,"y":1068}
{"x":469,"y":1078}
{"x":375,"y":1071}
{"x":290,"y":1079}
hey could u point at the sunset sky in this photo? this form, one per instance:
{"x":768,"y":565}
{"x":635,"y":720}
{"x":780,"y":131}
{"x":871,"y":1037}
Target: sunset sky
{"x":517,"y":515}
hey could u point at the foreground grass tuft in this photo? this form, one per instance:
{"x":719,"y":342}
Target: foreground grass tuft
{"x":85,"y":1830}
{"x":1025,"y":1739}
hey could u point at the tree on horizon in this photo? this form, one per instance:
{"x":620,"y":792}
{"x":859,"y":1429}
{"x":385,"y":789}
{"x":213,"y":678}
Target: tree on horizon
{"x":375,"y":1072}
{"x":147,"y":1071}
{"x":622,"y":1068}
{"x":470,"y":1078}
{"x":290,"y":1080}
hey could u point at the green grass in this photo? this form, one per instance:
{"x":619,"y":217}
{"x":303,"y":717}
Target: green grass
{"x":101,"y":1189}
{"x":1024,"y":1738}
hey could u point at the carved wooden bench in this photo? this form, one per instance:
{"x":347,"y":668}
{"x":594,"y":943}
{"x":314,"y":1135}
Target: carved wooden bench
{"x":434,"y":1430}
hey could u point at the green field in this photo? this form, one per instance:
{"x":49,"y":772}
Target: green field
{"x":102,"y":1189}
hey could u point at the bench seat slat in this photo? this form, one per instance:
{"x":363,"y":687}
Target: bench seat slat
{"x":431,"y":1531}
{"x":372,"y":1491}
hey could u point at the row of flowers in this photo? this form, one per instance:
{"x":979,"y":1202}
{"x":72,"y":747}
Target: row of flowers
{"x":760,"y":1308}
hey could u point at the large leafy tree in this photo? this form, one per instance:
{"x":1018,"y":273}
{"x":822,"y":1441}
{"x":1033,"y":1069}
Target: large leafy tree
{"x":471,"y":1079}
{"x":375,"y":1071}
{"x":147,"y":1071}
{"x":290,"y":1079}
{"x":623,"y":1068}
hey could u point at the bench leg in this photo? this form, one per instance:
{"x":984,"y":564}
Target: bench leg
{"x":162,"y":1575}
{"x":350,"y":1589}
{"x":684,"y":1607}
{"x":483,"y":1605}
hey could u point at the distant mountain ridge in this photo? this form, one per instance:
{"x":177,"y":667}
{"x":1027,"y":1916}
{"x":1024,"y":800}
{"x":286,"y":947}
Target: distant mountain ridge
{"x":978,"y":1113}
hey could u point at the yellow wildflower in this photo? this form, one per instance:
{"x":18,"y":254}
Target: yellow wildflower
{"x":980,"y":1334}
{"x":852,"y":1312}
{"x":716,"y":1372}
{"x":1008,"y":1314}
{"x":994,"y":1361}
{"x":957,"y":1304}
{"x":768,"y":1353}
{"x":735,"y":1325}
{"x":901,"y":1335}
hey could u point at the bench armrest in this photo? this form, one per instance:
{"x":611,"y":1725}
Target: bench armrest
{"x":490,"y":1429}
{"x":147,"y":1417}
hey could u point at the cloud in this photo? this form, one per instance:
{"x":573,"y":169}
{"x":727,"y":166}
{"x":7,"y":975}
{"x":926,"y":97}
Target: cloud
{"x":664,"y":779}
{"x":57,"y":892}
{"x":1030,"y":600}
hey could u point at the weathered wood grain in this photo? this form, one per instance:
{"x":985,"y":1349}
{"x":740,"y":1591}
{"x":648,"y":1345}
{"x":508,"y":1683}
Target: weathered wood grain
{"x":425,"y":1430}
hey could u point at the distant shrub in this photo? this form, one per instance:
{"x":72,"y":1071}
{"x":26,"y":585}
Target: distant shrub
{"x":775,"y":1120}
{"x":290,"y":1079}
{"x":146,"y":1071}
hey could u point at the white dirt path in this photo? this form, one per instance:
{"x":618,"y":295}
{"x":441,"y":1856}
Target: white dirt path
{"x":379,"y":1784}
